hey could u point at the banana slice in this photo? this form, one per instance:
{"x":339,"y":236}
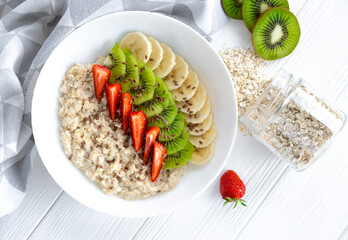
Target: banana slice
{"x":178,"y":75}
{"x":200,"y":128}
{"x":167,"y":63}
{"x":205,"y":139}
{"x":156,"y":54}
{"x":200,"y":116}
{"x":138,"y":44}
{"x":196,"y":103}
{"x":188,"y":88}
{"x":202,"y":156}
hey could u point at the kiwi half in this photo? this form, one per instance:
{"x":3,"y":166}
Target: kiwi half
{"x":131,"y":77}
{"x":173,"y":130}
{"x":165,"y":118}
{"x":233,"y":8}
{"x":116,"y":62}
{"x":143,"y":92}
{"x":176,"y":144}
{"x":276,"y":34}
{"x":179,"y":158}
{"x":252,"y":9}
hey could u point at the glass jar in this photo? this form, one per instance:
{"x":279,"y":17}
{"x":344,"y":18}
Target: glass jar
{"x":293,"y":121}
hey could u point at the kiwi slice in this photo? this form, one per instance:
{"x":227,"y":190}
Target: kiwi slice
{"x":233,"y":8}
{"x":252,"y":9}
{"x":163,"y":85}
{"x":116,"y":62}
{"x":276,"y":33}
{"x":176,"y":144}
{"x":173,"y":130}
{"x":143,"y":92}
{"x":131,"y":77}
{"x":179,"y":158}
{"x":165,"y":118}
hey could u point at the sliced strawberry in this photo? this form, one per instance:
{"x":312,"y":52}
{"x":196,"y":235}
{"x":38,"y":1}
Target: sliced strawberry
{"x":101,"y":76}
{"x":150,"y":139}
{"x":159,"y":152}
{"x":113,"y":94}
{"x":138,"y":127}
{"x":126,"y":109}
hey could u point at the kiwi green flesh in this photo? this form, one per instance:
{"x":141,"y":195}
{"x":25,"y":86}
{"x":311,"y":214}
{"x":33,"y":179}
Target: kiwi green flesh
{"x":165,"y":118}
{"x":169,"y":95}
{"x":276,"y":34}
{"x":176,"y":144}
{"x":179,"y":158}
{"x":115,"y":61}
{"x":145,"y":90}
{"x":252,"y":9}
{"x":131,"y":77}
{"x":233,"y":8}
{"x":173,"y":130}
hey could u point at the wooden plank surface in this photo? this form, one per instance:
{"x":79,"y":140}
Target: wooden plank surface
{"x":282,"y":204}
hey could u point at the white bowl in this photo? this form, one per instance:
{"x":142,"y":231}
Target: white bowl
{"x":96,"y":38}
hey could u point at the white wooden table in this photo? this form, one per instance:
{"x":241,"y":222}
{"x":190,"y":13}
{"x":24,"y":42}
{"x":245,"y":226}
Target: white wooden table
{"x":282,"y":203}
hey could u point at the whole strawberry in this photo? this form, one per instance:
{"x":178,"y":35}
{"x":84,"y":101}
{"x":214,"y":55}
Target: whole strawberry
{"x":232,"y":188}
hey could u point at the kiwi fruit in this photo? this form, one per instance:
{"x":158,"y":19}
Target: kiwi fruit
{"x":131,"y":77}
{"x":116,"y":62}
{"x":163,"y":85}
{"x":176,"y":144}
{"x":233,"y":8}
{"x":179,"y":158}
{"x":156,"y":105}
{"x":165,"y":118}
{"x":145,"y":90}
{"x":173,"y":130}
{"x":276,"y":33}
{"x":252,"y":9}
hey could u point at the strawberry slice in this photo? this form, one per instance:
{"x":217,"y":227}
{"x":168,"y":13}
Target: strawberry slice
{"x":126,"y":109}
{"x":150,"y":139}
{"x":101,"y":76}
{"x":159,"y":152}
{"x":138,"y":127}
{"x":113,"y":92}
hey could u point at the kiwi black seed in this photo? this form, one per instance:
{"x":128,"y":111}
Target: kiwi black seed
{"x":115,"y":62}
{"x":233,"y":8}
{"x":252,"y":9}
{"x":276,"y":33}
{"x":144,"y":92}
{"x":165,"y":118}
{"x":173,"y":130}
{"x":179,"y":158}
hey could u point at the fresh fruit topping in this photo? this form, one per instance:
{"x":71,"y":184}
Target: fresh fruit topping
{"x":150,"y":139}
{"x":131,"y":77}
{"x":196,"y":103}
{"x":126,"y":109}
{"x":138,"y":127}
{"x":144,"y":92}
{"x":205,"y":139}
{"x":232,"y":188}
{"x":178,"y":74}
{"x":115,"y":62}
{"x":113,"y":92}
{"x":233,"y":8}
{"x":156,"y":54}
{"x":202,"y":156}
{"x":165,"y":118}
{"x":179,"y":158}
{"x":159,"y":152}
{"x":276,"y":34}
{"x":198,"y":129}
{"x":101,"y":76}
{"x":188,"y":89}
{"x":176,"y":144}
{"x":138,"y":44}
{"x":173,"y":130}
{"x":201,"y":115}
{"x":167,"y":63}
{"x":252,"y":9}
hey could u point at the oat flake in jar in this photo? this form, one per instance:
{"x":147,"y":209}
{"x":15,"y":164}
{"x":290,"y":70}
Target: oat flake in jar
{"x":293,"y":121}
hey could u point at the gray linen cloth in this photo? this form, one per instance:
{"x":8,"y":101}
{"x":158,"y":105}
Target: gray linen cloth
{"x":29,"y":31}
